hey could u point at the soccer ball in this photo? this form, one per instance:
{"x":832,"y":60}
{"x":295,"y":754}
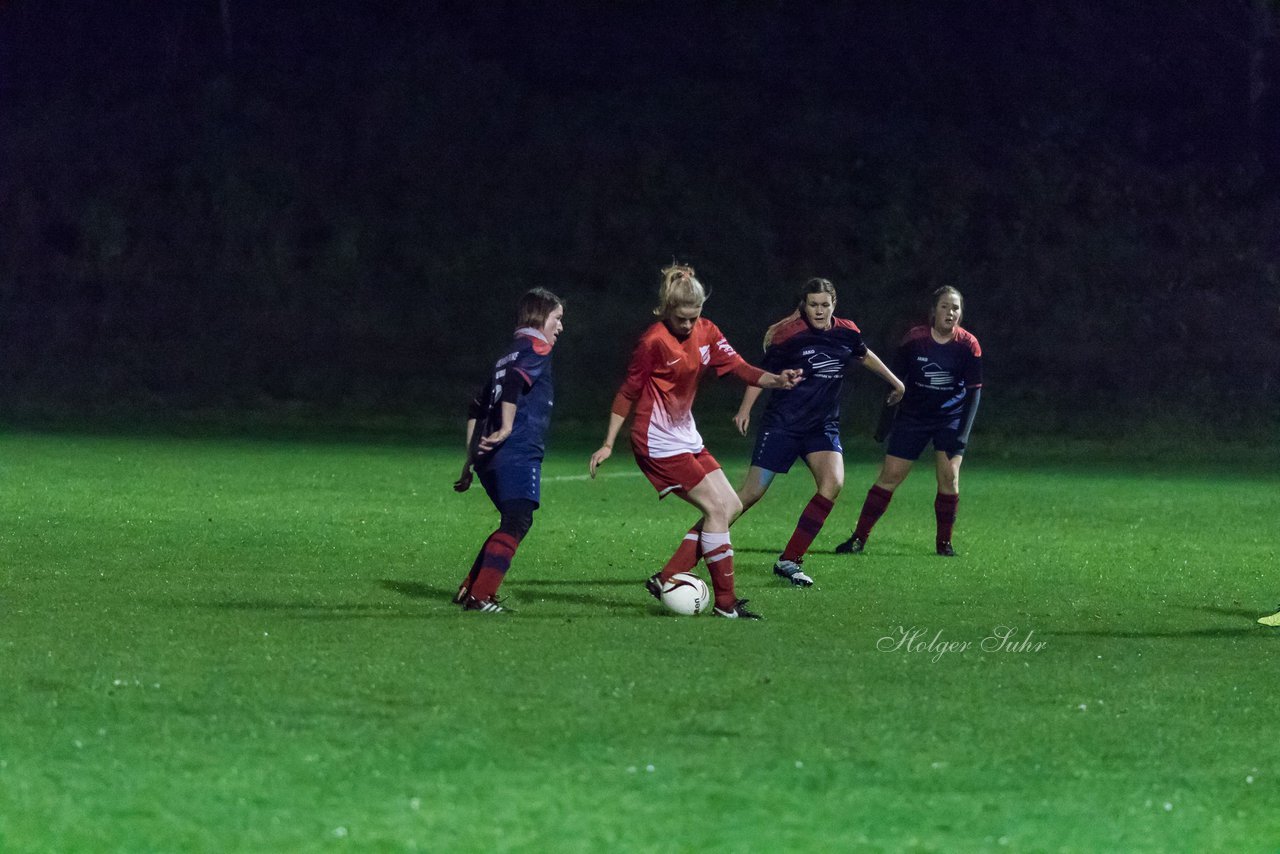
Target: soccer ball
{"x":686,"y":594}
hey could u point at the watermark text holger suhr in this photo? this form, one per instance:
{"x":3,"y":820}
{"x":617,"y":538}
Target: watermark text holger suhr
{"x":924,"y":642}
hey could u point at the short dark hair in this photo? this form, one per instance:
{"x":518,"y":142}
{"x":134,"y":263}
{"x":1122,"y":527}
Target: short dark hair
{"x":536,"y":306}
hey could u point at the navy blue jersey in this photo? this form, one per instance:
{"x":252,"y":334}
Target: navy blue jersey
{"x":527,"y":365}
{"x":824,"y":355}
{"x":938,"y":376}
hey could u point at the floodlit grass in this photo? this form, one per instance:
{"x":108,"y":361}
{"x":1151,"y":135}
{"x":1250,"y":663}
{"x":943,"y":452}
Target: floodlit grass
{"x":233,"y":645}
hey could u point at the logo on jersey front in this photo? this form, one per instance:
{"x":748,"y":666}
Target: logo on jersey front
{"x":705,"y":353}
{"x":824,"y":365}
{"x":937,"y":377}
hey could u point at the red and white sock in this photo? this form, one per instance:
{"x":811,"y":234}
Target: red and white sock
{"x":686,"y":556}
{"x":717,"y":551}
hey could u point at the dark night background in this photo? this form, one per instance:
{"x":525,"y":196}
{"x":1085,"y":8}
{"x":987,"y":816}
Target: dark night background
{"x":330,"y":208}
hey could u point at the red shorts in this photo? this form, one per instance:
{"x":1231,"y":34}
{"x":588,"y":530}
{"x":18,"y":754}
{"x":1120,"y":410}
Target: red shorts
{"x":683,"y":471}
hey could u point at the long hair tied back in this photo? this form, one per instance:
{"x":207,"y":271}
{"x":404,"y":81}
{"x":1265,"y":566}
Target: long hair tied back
{"x":680,"y":288}
{"x":815,"y":285}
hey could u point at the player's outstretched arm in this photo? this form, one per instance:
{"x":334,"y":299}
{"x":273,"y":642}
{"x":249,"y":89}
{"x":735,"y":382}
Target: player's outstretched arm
{"x":785,"y":380}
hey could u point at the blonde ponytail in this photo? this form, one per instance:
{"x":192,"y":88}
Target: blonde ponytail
{"x":680,"y":289}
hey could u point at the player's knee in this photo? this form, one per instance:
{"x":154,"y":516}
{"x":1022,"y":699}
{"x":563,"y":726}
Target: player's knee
{"x":889,"y":481}
{"x":724,"y":510}
{"x":517,"y":521}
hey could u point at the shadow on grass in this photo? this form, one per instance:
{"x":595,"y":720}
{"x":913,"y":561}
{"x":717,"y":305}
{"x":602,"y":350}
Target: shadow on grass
{"x":417,"y":590}
{"x":1230,"y":612}
{"x":1171,"y":635}
{"x":311,"y":610}
{"x":534,"y":589}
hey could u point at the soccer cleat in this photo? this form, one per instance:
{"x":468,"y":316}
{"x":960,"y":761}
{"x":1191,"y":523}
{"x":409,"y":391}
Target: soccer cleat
{"x":851,"y":546}
{"x":790,"y":570}
{"x":654,"y":585}
{"x":737,"y":612}
{"x":1273,"y":620}
{"x":460,"y":598}
{"x":946,"y":550}
{"x":486,"y":606}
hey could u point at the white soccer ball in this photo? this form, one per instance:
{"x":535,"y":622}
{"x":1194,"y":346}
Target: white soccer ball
{"x":686,"y":594}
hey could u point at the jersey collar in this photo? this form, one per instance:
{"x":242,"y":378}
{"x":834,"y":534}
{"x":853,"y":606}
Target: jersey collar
{"x":541,"y":345}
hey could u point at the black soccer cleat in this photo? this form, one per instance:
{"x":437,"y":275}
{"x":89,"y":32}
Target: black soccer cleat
{"x":654,"y":585}
{"x":461,"y":597}
{"x":946,"y":550}
{"x":484,"y":606}
{"x":737,"y":612}
{"x":851,"y":546}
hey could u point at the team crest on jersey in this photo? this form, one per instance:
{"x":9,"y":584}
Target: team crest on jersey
{"x":824,"y":365}
{"x":705,"y":353}
{"x":938,"y":377}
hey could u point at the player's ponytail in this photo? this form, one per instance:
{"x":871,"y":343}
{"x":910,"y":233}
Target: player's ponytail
{"x":679,"y":289}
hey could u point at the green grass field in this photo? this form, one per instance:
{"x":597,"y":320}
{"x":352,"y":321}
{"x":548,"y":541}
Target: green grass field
{"x":237,"y":645}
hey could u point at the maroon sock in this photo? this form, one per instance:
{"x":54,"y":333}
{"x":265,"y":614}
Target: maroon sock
{"x":811,"y":519}
{"x":944,"y":508}
{"x":687,"y":556}
{"x":873,"y":508}
{"x":495,"y":560}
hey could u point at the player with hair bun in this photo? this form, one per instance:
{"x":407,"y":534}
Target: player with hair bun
{"x":804,"y":422}
{"x":506,"y":438}
{"x":941,"y":364}
{"x":661,"y":383}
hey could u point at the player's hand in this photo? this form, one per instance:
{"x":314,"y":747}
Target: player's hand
{"x":742,"y":421}
{"x":895,"y":396}
{"x":463,"y":483}
{"x":790,"y":378}
{"x":598,"y":458}
{"x":494,"y":439}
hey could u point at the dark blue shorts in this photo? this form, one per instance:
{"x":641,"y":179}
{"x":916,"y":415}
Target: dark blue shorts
{"x":776,"y":450}
{"x":908,"y":439}
{"x":511,"y":481}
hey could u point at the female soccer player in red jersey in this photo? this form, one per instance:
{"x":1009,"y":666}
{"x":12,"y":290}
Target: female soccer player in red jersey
{"x":942,"y":366}
{"x":662,"y":380}
{"x":804,"y":423}
{"x":506,"y":429}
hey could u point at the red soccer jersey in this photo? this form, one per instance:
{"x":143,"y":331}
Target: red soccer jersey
{"x":662,"y":380}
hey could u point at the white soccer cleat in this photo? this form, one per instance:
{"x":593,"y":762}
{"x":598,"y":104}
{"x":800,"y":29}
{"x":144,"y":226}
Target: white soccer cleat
{"x":791,"y":571}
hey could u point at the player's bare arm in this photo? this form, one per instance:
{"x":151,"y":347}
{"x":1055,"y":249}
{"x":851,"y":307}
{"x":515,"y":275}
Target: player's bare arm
{"x":785,"y":380}
{"x":606,"y":448}
{"x":873,"y":363}
{"x":742,"y":419}
{"x":497,"y":437}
